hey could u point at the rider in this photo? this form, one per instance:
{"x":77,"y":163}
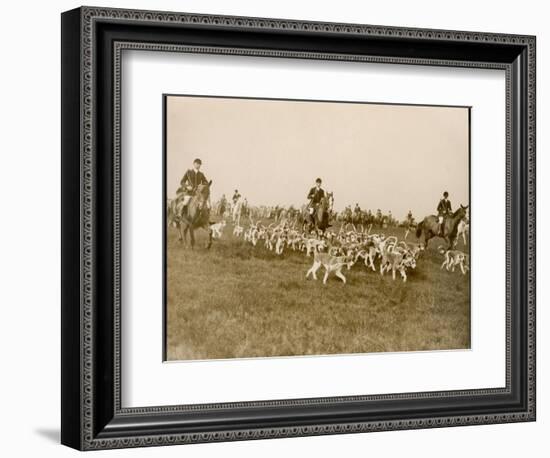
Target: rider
{"x":315,"y":195}
{"x":189,"y":183}
{"x":236,"y":196}
{"x":443,"y":210}
{"x":223,"y":205}
{"x":410,"y":219}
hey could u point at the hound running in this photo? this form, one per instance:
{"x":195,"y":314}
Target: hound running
{"x":332,"y":264}
{"x":454,"y":258}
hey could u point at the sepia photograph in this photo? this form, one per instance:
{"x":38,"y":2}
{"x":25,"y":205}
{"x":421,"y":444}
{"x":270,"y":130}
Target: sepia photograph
{"x":313,"y":227}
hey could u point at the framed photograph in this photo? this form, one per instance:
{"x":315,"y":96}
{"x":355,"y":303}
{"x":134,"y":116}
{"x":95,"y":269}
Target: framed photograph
{"x":276,"y":228}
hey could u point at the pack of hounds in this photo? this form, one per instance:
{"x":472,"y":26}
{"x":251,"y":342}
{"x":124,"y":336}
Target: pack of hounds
{"x":337,"y":251}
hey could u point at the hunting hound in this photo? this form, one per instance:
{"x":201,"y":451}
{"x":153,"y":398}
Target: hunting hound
{"x":368,"y":253}
{"x":314,"y":245}
{"x":217,"y":229}
{"x":454,"y":258}
{"x":238,"y":230}
{"x":396,"y":259}
{"x":280,"y":244}
{"x":332,"y":264}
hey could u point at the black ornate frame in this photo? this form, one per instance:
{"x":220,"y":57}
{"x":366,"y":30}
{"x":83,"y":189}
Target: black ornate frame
{"x":92,"y":42}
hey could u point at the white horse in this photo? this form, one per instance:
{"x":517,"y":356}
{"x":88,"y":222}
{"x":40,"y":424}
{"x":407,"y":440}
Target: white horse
{"x":464,"y":230}
{"x":236,"y":211}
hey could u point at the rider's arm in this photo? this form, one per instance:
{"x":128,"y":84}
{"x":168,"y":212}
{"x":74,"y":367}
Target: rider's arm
{"x":311,"y":193}
{"x":184,"y":179}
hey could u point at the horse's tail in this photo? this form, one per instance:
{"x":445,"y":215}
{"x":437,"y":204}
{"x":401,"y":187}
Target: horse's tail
{"x":419,"y":229}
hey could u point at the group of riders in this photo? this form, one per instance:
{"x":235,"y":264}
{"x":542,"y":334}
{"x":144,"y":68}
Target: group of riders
{"x":367,"y":217}
{"x":193,"y":178}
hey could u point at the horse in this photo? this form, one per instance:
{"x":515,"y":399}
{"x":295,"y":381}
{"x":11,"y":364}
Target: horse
{"x":320,"y":218}
{"x":430,"y":226}
{"x":464,"y":230}
{"x":170,"y":212}
{"x":197,"y":215}
{"x":237,"y":210}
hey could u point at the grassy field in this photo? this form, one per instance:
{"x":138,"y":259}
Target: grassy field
{"x":237,"y":301}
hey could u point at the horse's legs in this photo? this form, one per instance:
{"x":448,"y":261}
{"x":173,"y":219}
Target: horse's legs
{"x":192,"y":237}
{"x":427,"y":237}
{"x":209,"y":243}
{"x":185,"y":234}
{"x":184,"y":230}
{"x":451,"y":242}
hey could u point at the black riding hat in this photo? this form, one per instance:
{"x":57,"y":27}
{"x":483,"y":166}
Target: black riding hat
{"x":318,"y":180}
{"x":445,"y":194}
{"x":197,"y":161}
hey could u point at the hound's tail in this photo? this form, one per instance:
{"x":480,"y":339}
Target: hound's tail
{"x":419,"y":230}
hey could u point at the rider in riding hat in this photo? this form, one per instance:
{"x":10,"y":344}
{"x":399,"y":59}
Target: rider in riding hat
{"x":443,"y":210}
{"x":315,"y":195}
{"x":236,"y":196}
{"x":189,"y":183}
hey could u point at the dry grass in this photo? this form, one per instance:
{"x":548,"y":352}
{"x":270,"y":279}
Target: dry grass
{"x":238,"y":301}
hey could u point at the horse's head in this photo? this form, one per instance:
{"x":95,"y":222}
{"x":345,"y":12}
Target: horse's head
{"x":203,"y":190}
{"x":326,"y":201}
{"x":461,"y":212}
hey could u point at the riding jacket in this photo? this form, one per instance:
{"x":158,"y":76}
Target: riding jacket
{"x":444,"y":207}
{"x":315,"y":195}
{"x":190,"y":181}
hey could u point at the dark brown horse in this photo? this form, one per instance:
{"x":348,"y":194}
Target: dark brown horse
{"x":320,"y":218}
{"x":197,"y":215}
{"x":430,"y":226}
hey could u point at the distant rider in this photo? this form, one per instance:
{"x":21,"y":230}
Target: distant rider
{"x":223,"y":205}
{"x":236,"y":196}
{"x":443,"y":210}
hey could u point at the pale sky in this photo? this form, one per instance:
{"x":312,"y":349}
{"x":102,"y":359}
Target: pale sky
{"x":392,"y":157}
